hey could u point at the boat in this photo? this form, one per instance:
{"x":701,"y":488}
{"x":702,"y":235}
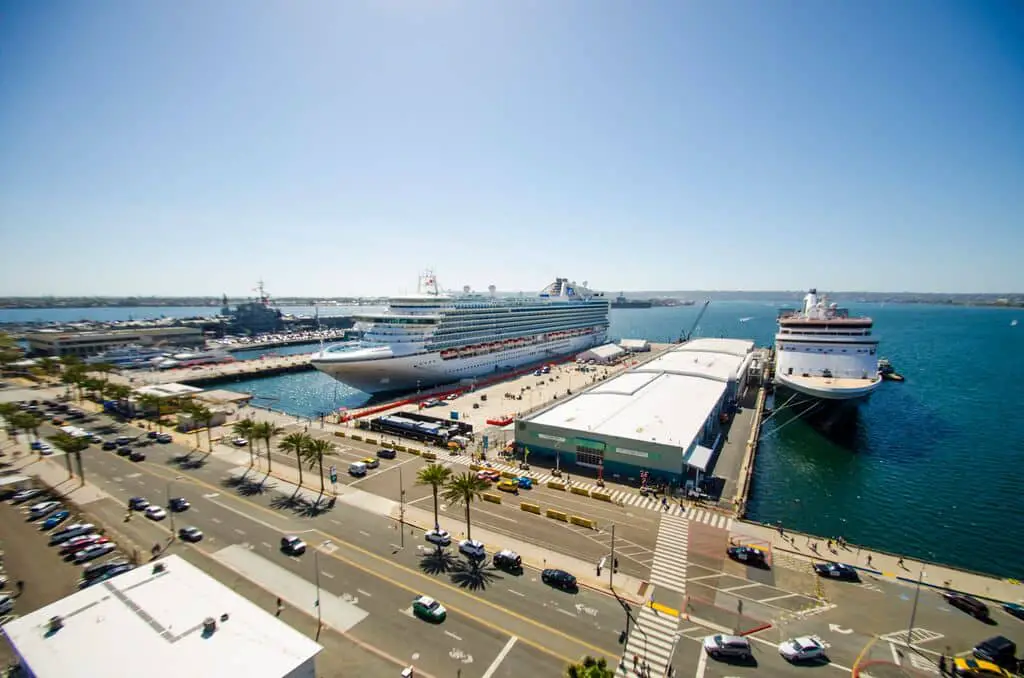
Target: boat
{"x":194,"y":359}
{"x":887,"y":371}
{"x":432,"y":337}
{"x":622,"y":302}
{"x":128,"y":356}
{"x":823,"y":353}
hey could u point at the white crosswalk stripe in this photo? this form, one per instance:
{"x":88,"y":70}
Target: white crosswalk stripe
{"x":669,"y":566}
{"x":625,"y":497}
{"x":652,"y":638}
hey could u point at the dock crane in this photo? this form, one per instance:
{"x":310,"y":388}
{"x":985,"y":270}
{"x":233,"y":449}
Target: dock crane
{"x":686,"y":337}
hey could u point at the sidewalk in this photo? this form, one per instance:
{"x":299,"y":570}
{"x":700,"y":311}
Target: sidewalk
{"x":630,"y":588}
{"x":878,"y":564}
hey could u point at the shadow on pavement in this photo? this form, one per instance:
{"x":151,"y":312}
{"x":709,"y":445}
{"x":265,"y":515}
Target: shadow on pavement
{"x":470,"y":575}
{"x":438,"y":561}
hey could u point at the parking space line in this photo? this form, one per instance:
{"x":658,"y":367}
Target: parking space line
{"x":742,"y":586}
{"x":768,"y":600}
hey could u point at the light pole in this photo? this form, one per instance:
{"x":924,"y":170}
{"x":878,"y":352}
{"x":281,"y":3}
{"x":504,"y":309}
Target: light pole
{"x":401,"y":509}
{"x":316,"y":565}
{"x":170,"y":509}
{"x":913,"y":610}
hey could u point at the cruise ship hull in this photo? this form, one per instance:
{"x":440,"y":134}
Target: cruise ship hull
{"x":830,"y":389}
{"x":425,"y":370}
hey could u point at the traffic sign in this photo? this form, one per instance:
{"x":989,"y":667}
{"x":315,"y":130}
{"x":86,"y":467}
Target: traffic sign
{"x":485,"y":443}
{"x":334,"y":474}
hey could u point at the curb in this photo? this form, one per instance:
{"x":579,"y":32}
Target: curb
{"x":756,"y":629}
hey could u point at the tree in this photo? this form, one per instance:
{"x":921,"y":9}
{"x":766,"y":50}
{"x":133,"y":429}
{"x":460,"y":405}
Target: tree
{"x":315,"y":452}
{"x":9,"y":350}
{"x":296,"y":444}
{"x":7,"y":411}
{"x":246,"y":428}
{"x":265,"y":431}
{"x":49,"y":366}
{"x":200,"y":413}
{"x":104,"y":369}
{"x":436,"y":476}
{"x":120,"y":392}
{"x":73,"y":375}
{"x":150,"y":403}
{"x":28,"y":422}
{"x":464,"y":489}
{"x":71,"y":445}
{"x":590,"y":667}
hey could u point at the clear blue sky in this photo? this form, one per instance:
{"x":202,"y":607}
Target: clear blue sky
{"x":335,"y":148}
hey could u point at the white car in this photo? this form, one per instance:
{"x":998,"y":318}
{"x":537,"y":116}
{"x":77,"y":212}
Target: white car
{"x":803,"y":648}
{"x":438,"y":537}
{"x":472,"y":548}
{"x":24,"y":496}
{"x":42,"y":508}
{"x":6,"y":604}
{"x":94,"y":551}
{"x":240,"y":442}
{"x":156,"y":513}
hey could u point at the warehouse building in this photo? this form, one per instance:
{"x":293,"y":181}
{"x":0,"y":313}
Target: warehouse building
{"x":83,"y":344}
{"x":663,"y":416}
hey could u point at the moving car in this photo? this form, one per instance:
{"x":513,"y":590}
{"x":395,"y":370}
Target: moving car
{"x":804,"y":648}
{"x":727,"y":647}
{"x":178,"y":504}
{"x":473,"y":549}
{"x":836,"y":571}
{"x":560,"y":579}
{"x":978,"y":668}
{"x":998,"y":650}
{"x":138,"y":504}
{"x":438,"y":537}
{"x":55,"y":520}
{"x":427,"y":608}
{"x":155,"y":513}
{"x":746,"y":554}
{"x":190,"y":534}
{"x":525,"y":483}
{"x":968,"y":604}
{"x":506,"y":559}
{"x":385,"y":453}
{"x":371,"y":462}
{"x":1015,"y":609}
{"x":357,"y":469}
{"x":239,"y":442}
{"x":508,"y":486}
{"x":292,"y":545}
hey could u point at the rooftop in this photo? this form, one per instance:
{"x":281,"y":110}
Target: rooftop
{"x":605,"y":351}
{"x":170,"y":390}
{"x":717,"y":366}
{"x":736,"y":347}
{"x":152,"y":623}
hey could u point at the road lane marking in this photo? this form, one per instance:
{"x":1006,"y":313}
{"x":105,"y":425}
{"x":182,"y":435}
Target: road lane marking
{"x":364,"y":593}
{"x":364,"y":533}
{"x":500,"y":658}
{"x":267,"y":545}
{"x":521,"y":595}
{"x":742,"y":586}
{"x":702,"y":664}
{"x":327,"y":574}
{"x":217,"y":520}
{"x":706,"y":576}
{"x":452,"y":635}
{"x":239,"y":531}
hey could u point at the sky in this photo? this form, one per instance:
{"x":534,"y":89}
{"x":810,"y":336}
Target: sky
{"x":341,"y":147}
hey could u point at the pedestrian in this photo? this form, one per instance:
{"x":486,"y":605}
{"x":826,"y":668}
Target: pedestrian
{"x":21,"y":586}
{"x":942,"y":664}
{"x":280,"y":607}
{"x":869,"y":560}
{"x":615,"y":564}
{"x":636,"y":659}
{"x":900,"y":563}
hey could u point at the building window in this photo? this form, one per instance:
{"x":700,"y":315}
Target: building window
{"x":586,"y":455}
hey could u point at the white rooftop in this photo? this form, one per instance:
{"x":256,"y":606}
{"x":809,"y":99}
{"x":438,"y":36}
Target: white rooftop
{"x":605,"y":351}
{"x":169,"y":390}
{"x":659,"y":407}
{"x":717,"y":366}
{"x":737,"y":347}
{"x":634,"y":343}
{"x":151,"y":624}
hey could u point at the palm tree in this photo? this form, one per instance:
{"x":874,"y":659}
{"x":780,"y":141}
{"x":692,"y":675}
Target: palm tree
{"x":50,"y":366}
{"x":200,"y":413}
{"x":73,"y":375}
{"x":120,"y":392}
{"x":589,"y":667}
{"x":23,"y":421}
{"x":104,"y":369}
{"x":265,"y":431}
{"x":246,"y":428}
{"x":315,"y":451}
{"x":9,"y":350}
{"x":436,"y":476}
{"x":463,"y":489}
{"x":7,"y":411}
{"x":296,"y":444}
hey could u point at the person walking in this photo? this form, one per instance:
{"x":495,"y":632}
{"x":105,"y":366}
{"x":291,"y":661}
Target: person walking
{"x":942,"y":664}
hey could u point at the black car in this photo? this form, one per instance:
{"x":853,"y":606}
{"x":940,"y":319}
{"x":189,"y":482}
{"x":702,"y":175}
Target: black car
{"x":100,"y":569}
{"x":190,"y":534}
{"x":178,"y":504}
{"x":747,"y":554}
{"x":152,"y":435}
{"x":137,"y":455}
{"x":109,"y":445}
{"x":124,"y":451}
{"x":385,"y":453}
{"x":836,"y":571}
{"x":293,"y":546}
{"x":507,"y":560}
{"x":968,"y":604}
{"x":998,"y":650}
{"x":138,"y":504}
{"x":124,"y":440}
{"x":560,"y":579}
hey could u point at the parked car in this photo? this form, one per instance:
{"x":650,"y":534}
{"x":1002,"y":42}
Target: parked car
{"x":507,"y":560}
{"x":385,"y":453}
{"x":427,"y":608}
{"x":109,"y":445}
{"x":472,"y":549}
{"x":94,"y":551}
{"x":438,"y":537}
{"x":78,"y":542}
{"x":25,"y":495}
{"x":6,"y":604}
{"x":152,"y":435}
{"x":137,"y":455}
{"x":239,"y":442}
{"x":836,"y":571}
{"x":727,"y":647}
{"x":292,"y":545}
{"x":560,"y":579}
{"x":98,"y":569}
{"x":164,"y":438}
{"x":37,"y":511}
{"x":1015,"y":609}
{"x":124,"y":451}
{"x":70,"y":532}
{"x":968,"y":604}
{"x":109,"y":574}
{"x":55,"y":520}
{"x":123,"y":440}
{"x":804,"y":648}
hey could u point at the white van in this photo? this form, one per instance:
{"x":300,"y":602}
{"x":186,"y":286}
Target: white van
{"x":357,"y":469}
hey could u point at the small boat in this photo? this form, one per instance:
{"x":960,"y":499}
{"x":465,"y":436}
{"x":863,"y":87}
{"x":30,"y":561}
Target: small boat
{"x":887,"y":372}
{"x":1013,"y":323}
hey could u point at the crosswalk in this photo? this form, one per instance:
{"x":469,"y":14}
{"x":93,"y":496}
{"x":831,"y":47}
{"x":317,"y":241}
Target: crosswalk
{"x":621,"y":497}
{"x":669,"y":566}
{"x":652,"y":638}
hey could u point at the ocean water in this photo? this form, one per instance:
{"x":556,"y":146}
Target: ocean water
{"x":932,"y":469}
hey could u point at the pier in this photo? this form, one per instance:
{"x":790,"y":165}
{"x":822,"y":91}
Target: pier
{"x":207,"y":375}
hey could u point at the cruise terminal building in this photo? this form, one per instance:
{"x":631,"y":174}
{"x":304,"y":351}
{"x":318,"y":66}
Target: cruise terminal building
{"x":663,"y":416}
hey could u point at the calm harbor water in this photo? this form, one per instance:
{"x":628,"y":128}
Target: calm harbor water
{"x":931,"y":470}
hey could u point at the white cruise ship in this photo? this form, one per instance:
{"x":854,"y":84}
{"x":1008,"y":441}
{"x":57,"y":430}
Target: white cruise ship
{"x":431,"y":337}
{"x":821,"y":352}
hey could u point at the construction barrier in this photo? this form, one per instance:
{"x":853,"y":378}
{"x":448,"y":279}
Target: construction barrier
{"x":556,"y":485}
{"x":370,"y":441}
{"x":399,"y":448}
{"x":355,"y":437}
{"x":509,"y":475}
{"x":340,"y":434}
{"x":530,"y":508}
{"x":583,"y":522}
{"x":491,"y":497}
{"x":412,"y":450}
{"x":602,"y":495}
{"x":429,"y":455}
{"x":476,"y":467}
{"x":580,"y":490}
{"x":558,"y":515}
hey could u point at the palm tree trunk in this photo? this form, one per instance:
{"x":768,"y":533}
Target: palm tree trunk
{"x":469,"y":535}
{"x":267,"y":440}
{"x":436,"y":523}
{"x":209,"y":438}
{"x":159,"y":421}
{"x":321,"y":460}
{"x":298,"y":462}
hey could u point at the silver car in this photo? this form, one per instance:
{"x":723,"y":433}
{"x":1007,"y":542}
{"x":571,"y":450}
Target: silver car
{"x":728,"y":647}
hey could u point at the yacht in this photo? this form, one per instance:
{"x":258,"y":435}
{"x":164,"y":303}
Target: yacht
{"x":434,"y":337}
{"x":823,"y":353}
{"x":194,"y":359}
{"x":128,"y":356}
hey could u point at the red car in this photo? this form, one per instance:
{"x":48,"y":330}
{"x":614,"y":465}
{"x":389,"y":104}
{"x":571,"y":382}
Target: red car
{"x":489,"y":475}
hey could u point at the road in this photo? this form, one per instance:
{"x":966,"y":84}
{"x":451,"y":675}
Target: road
{"x":368,"y":571}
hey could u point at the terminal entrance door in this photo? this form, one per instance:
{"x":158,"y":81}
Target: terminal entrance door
{"x":590,"y":453}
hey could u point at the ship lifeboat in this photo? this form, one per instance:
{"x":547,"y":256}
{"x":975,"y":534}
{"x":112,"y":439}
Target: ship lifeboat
{"x":449,"y":354}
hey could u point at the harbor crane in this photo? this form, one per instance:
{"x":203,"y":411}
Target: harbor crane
{"x":686,"y":337}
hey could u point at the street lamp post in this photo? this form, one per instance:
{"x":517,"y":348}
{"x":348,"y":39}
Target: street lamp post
{"x":401,"y":509}
{"x":316,"y":565}
{"x":170,"y":509}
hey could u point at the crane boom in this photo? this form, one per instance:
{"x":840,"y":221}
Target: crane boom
{"x":686,"y":337}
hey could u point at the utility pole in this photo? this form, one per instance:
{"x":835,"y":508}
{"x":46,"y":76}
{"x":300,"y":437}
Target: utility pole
{"x":401,"y":508}
{"x":611,"y":570}
{"x":913,"y":610}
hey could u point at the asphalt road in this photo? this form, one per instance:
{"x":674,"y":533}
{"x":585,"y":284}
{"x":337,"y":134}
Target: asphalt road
{"x":866,"y":620}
